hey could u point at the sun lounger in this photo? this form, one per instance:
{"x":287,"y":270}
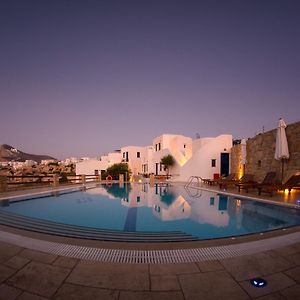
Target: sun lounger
{"x":269,"y":184}
{"x":229,"y":180}
{"x":292,"y":183}
{"x":246,"y":182}
{"x":217,"y":179}
{"x":270,"y":178}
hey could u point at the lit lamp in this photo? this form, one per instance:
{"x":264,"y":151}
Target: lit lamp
{"x":243,"y":157}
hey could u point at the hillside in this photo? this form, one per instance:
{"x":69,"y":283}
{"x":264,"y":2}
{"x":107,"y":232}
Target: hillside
{"x":9,"y":153}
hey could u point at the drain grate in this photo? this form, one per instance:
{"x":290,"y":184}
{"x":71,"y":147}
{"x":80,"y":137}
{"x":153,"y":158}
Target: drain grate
{"x":150,"y":256}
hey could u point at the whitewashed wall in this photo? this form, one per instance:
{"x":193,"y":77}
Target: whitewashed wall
{"x":204,"y":150}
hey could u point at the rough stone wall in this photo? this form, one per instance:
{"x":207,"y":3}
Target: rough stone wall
{"x":235,"y":160}
{"x":261,"y":151}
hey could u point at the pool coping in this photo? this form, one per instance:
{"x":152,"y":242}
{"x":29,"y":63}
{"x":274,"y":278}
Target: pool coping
{"x":116,"y":252}
{"x":244,"y":196}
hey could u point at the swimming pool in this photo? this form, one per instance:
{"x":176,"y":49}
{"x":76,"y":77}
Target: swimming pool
{"x":161,"y":209}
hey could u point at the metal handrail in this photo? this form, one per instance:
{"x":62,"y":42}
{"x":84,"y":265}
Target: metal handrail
{"x":191,"y":180}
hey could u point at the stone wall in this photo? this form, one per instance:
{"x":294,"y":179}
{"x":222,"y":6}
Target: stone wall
{"x":235,"y":160}
{"x":261,"y":151}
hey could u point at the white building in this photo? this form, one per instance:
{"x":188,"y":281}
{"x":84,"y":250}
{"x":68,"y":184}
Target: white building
{"x":47,"y":161}
{"x":17,"y":164}
{"x":210,"y":156}
{"x":5,"y":163}
{"x":205,"y":157}
{"x":148,"y":165}
{"x":30,"y":163}
{"x":134,"y":156}
{"x":71,"y":160}
{"x":179,"y":146}
{"x":111,"y":158}
{"x":96,"y":166}
{"x":89,"y":167}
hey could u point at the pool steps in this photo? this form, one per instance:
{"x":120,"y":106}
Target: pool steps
{"x":60,"y":229}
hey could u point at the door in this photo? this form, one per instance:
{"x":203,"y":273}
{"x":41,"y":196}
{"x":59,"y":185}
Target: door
{"x":224,"y":164}
{"x":156,"y":168}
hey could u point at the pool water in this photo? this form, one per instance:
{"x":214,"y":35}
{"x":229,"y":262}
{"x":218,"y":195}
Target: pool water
{"x":140,"y":207}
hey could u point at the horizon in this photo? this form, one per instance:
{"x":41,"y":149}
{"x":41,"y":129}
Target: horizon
{"x":150,"y":144}
{"x":83,"y":79}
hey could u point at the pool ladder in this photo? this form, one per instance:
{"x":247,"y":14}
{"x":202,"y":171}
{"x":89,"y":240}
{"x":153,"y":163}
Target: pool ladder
{"x":191,"y":179}
{"x":187,"y":187}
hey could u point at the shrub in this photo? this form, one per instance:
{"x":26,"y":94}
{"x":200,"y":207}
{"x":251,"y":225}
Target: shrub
{"x":63,"y":177}
{"x":115,"y":170}
{"x":168,"y":161}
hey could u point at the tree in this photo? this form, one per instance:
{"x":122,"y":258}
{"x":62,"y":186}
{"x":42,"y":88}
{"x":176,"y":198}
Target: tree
{"x":115,"y":170}
{"x":168,"y":161}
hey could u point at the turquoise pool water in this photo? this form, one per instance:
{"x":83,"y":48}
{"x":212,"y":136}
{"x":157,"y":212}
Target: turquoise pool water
{"x":139,"y":207}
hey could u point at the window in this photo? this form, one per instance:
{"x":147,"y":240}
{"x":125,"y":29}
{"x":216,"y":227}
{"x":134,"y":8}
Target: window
{"x":184,"y":145}
{"x":145,"y":168}
{"x":158,"y":146}
{"x":123,"y":154}
{"x":138,"y":154}
{"x":155,"y":147}
{"x":213,"y":163}
{"x":259,"y":164}
{"x":138,"y":199}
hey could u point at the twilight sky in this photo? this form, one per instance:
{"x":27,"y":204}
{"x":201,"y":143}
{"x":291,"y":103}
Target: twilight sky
{"x":82,"y":78}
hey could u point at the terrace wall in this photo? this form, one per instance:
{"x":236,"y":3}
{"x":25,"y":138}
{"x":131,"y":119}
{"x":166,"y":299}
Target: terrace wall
{"x":261,"y":151}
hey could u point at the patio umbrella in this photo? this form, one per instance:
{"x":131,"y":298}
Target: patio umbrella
{"x":281,"y":149}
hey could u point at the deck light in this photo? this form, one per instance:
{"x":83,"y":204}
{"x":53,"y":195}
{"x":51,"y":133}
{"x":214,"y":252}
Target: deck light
{"x":258,"y":282}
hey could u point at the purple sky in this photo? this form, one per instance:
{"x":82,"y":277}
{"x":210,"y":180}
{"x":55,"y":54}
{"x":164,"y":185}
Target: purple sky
{"x":82,"y":78}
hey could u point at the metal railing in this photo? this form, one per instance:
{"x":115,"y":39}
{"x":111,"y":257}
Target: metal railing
{"x":192,"y":179}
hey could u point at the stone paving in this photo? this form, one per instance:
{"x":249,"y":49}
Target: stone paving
{"x":31,"y":275}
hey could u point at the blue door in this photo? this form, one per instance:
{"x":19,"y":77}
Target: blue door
{"x":224,"y":164}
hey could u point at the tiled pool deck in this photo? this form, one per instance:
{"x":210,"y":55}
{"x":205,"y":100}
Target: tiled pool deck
{"x":30,"y":274}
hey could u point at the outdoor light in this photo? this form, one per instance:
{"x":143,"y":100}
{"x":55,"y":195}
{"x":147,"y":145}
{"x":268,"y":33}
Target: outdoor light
{"x":258,"y":282}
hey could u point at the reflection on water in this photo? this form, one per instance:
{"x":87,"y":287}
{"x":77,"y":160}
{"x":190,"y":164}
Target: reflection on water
{"x":141,"y":207}
{"x":118,"y":191}
{"x":169,"y":203}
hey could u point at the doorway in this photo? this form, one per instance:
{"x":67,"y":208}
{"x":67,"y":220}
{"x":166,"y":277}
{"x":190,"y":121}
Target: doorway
{"x":156,"y":168}
{"x":224,"y":164}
